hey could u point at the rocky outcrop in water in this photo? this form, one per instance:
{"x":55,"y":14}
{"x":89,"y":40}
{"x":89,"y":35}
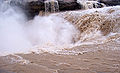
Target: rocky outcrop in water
{"x":110,"y":2}
{"x":33,"y":7}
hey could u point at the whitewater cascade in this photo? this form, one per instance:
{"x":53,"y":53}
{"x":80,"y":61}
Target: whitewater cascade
{"x":57,"y":31}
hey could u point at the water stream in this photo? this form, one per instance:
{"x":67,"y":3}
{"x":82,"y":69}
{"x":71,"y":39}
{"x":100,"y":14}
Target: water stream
{"x":51,"y":6}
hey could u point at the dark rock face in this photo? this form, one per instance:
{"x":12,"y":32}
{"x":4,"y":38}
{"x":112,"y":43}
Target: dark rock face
{"x":73,"y":5}
{"x":110,"y":2}
{"x":34,"y":7}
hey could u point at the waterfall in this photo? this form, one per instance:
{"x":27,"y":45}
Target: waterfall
{"x":51,"y":6}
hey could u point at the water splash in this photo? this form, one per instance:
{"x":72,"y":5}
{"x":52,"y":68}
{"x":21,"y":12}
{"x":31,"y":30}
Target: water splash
{"x":56,"y":31}
{"x":19,"y":35}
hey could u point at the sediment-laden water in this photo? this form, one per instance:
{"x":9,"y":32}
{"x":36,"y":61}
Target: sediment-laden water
{"x":83,"y":41}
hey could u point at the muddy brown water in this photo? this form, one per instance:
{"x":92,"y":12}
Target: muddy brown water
{"x":97,"y":61}
{"x":87,"y":58}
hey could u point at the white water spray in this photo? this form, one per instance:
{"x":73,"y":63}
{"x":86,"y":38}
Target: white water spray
{"x":12,"y":35}
{"x":18,"y":35}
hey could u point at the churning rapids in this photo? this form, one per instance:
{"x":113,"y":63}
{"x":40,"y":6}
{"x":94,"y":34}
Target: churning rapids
{"x":57,"y":31}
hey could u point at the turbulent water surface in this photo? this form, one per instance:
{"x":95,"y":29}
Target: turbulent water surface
{"x":84,"y":41}
{"x":57,"y":31}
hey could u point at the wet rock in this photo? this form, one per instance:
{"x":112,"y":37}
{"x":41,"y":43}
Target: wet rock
{"x":63,"y":6}
{"x":110,"y":2}
{"x":33,"y":7}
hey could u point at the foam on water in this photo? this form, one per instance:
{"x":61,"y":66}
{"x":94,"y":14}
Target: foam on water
{"x":57,"y":31}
